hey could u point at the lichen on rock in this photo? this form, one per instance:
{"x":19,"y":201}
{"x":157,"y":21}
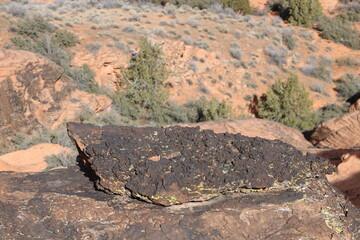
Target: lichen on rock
{"x":175,"y":165}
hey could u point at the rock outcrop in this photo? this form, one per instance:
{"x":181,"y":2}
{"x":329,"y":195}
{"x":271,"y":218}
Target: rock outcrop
{"x":347,"y":177}
{"x":342,"y":132}
{"x":34,"y":92}
{"x":63,"y":203}
{"x":175,"y":165}
{"x":256,"y":127}
{"x":32,"y":159}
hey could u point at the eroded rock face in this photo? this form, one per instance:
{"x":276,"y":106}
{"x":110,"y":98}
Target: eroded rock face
{"x":337,"y":133}
{"x":175,"y":165}
{"x":63,"y":204}
{"x":34,"y":91}
{"x":32,"y":159}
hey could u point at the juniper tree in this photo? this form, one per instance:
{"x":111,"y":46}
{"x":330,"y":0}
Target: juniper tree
{"x":287,"y":102}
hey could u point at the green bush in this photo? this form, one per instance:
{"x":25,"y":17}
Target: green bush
{"x":350,"y":13}
{"x":211,"y":110}
{"x":348,"y":86}
{"x":238,"y":5}
{"x":145,"y":77}
{"x":64,"y":38}
{"x":33,"y":27}
{"x":201,"y":4}
{"x":319,"y":67}
{"x":84,"y":78}
{"x":288,"y":103}
{"x":329,"y":111}
{"x":339,"y":31}
{"x":39,"y":36}
{"x":43,"y":135}
{"x":298,"y":12}
{"x":144,"y":95}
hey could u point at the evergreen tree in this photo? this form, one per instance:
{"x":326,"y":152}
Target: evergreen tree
{"x":238,"y":5}
{"x":145,"y":77}
{"x":304,"y":12}
{"x":288,"y":103}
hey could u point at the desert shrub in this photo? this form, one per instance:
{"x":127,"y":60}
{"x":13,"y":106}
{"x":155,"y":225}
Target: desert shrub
{"x":287,"y":102}
{"x":201,"y":4}
{"x":193,"y":22}
{"x":64,"y":159}
{"x":328,"y":112}
{"x":348,"y":85}
{"x":43,"y":135}
{"x":242,"y":6}
{"x":317,"y":88}
{"x":222,"y":29}
{"x":94,"y":48}
{"x":34,"y":26}
{"x":288,"y":39}
{"x":159,"y":31}
{"x":235,"y":53}
{"x":201,"y":44}
{"x":39,"y":36}
{"x":348,"y":62}
{"x":350,"y":12}
{"x":339,"y":31}
{"x":187,"y":40}
{"x":298,"y":12}
{"x":318,"y":67}
{"x":84,"y":78}
{"x":277,"y":55}
{"x":129,"y":28}
{"x":211,"y":110}
{"x":65,"y":38}
{"x":16,"y":9}
{"x":193,"y":65}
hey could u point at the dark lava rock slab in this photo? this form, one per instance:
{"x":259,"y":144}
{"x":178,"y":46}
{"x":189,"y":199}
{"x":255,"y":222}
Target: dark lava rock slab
{"x":176,"y":165}
{"x":63,"y":204}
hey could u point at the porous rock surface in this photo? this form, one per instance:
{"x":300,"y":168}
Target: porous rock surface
{"x":336,"y":133}
{"x":256,"y":127}
{"x":180,"y":164}
{"x":63,"y":204}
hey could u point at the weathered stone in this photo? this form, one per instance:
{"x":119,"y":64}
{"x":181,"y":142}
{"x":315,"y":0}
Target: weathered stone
{"x":35,"y":92}
{"x":337,"y":133}
{"x":175,"y":165}
{"x":63,"y":204}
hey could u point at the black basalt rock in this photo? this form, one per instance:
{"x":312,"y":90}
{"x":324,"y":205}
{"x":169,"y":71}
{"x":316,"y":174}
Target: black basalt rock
{"x":175,"y":165}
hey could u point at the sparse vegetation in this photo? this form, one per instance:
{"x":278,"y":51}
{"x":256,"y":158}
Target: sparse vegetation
{"x":84,"y":78}
{"x":235,"y":53}
{"x":287,"y":102}
{"x":37,"y":35}
{"x":277,"y":55}
{"x":348,"y":86}
{"x":329,"y":111}
{"x":242,"y":6}
{"x":211,"y":110}
{"x":318,"y":67}
{"x":339,"y":31}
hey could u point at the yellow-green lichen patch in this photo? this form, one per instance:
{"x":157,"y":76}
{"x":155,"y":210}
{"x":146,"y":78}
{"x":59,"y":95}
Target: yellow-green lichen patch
{"x":332,"y":220}
{"x":171,"y":199}
{"x":202,"y":193}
